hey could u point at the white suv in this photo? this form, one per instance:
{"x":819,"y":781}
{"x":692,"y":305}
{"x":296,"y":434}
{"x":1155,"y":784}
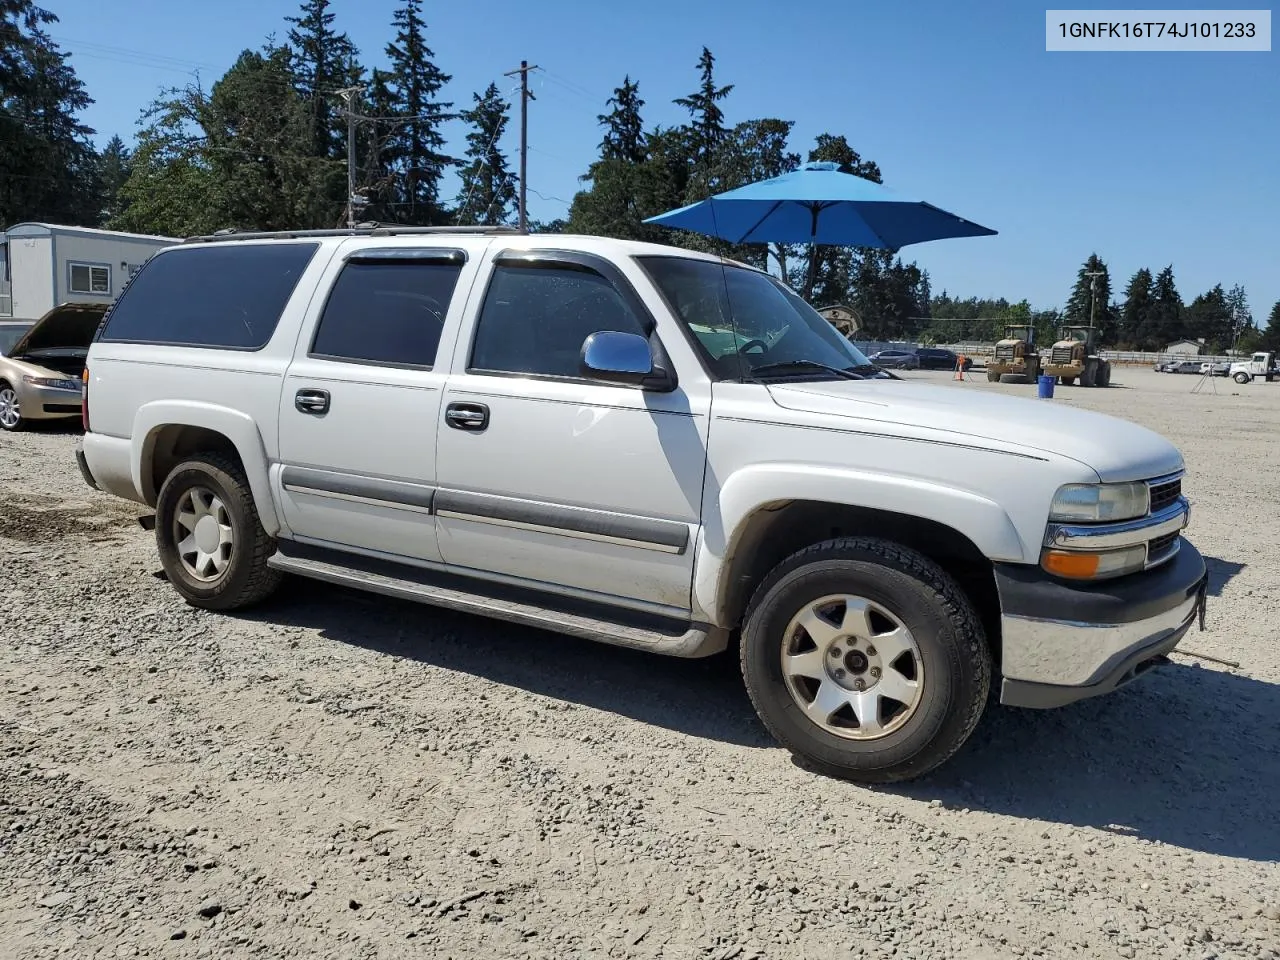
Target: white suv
{"x":644,"y":446}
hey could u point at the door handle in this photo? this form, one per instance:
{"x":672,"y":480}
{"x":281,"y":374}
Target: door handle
{"x":312,"y":401}
{"x":467,"y":416}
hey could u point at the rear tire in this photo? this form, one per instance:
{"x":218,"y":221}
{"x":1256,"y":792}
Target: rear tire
{"x":838,"y":599}
{"x":1106,"y":374}
{"x":211,"y":543}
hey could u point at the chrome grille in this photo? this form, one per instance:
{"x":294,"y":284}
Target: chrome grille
{"x":1165,"y":494}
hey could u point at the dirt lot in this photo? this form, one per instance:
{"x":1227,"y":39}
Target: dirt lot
{"x":340,"y":776}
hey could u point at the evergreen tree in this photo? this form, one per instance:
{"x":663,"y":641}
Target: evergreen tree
{"x":113,"y":165}
{"x":48,"y":167}
{"x":257,"y":138}
{"x":375,"y":178}
{"x":1269,"y":338}
{"x":488,"y":187}
{"x":416,"y":146}
{"x":703,"y":106}
{"x":1164,"y":320}
{"x":1090,"y":300}
{"x":1134,"y":315}
{"x":322,"y":65}
{"x":624,"y":130}
{"x":1208,"y":318}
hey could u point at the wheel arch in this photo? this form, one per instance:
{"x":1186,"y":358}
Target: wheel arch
{"x":167,"y":432}
{"x":959,"y":530}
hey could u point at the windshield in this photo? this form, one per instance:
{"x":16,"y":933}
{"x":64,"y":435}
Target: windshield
{"x":745,"y":321}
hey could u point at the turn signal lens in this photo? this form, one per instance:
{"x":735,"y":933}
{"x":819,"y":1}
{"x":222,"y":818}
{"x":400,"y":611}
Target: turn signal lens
{"x":1077,"y":565}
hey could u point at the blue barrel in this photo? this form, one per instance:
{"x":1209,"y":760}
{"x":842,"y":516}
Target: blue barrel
{"x":1046,"y":386}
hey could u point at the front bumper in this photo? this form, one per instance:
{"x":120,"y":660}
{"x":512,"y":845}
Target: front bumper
{"x":40,"y":403}
{"x":1064,"y":642}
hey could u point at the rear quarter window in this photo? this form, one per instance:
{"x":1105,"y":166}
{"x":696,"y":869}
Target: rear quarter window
{"x":227,"y":296}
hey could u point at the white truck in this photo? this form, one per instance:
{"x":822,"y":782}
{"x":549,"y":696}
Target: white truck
{"x":1259,"y":365}
{"x":643,"y":446}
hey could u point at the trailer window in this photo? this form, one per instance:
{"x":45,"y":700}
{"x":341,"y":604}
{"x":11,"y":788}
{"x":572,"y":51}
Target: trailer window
{"x":93,"y":278}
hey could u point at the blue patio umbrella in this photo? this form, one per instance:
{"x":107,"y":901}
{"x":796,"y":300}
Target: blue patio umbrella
{"x":819,"y":204}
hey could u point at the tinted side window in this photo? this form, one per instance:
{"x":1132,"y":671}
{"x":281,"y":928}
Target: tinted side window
{"x":535,"y":319}
{"x":387,"y":312}
{"x":227,"y":295}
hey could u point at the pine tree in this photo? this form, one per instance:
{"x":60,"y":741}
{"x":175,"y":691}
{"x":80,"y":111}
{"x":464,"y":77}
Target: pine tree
{"x":1270,"y":337}
{"x":624,"y":130}
{"x":489,"y":188}
{"x":416,"y":147}
{"x":1134,"y":315}
{"x":113,"y":165}
{"x":322,"y":65}
{"x":1164,"y":321}
{"x":1208,"y":318}
{"x":703,"y":106}
{"x":1090,"y":300}
{"x":48,"y":167}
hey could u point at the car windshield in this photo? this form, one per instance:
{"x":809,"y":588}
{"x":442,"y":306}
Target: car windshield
{"x":750,"y":326}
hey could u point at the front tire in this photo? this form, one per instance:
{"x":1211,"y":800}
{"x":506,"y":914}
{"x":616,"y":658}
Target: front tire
{"x":866,"y":660}
{"x":10,"y":409}
{"x":1241,"y":377}
{"x":211,"y":543}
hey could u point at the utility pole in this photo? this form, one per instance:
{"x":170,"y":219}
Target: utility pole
{"x":525,"y":96}
{"x":348,"y":95}
{"x":1093,"y":292}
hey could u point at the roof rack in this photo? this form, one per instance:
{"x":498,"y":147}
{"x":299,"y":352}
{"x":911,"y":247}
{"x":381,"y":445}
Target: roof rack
{"x":359,"y":230}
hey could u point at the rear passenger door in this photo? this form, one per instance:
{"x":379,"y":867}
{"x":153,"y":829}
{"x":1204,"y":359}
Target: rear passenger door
{"x":361,"y":401}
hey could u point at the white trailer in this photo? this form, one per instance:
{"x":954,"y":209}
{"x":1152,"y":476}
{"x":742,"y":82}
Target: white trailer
{"x":45,"y":264}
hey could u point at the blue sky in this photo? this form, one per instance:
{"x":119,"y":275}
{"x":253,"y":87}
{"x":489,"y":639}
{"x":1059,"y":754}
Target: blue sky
{"x":1145,"y":158}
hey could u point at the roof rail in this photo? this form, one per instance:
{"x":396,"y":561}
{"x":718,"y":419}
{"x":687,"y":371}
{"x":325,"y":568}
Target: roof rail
{"x":359,"y":230}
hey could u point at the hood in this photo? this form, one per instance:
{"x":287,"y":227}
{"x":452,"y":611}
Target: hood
{"x":1116,"y":449}
{"x":66,"y":326}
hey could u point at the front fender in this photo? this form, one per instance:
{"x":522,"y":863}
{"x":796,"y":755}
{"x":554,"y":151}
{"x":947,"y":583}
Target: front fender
{"x":983,"y":521}
{"x":236,"y":426}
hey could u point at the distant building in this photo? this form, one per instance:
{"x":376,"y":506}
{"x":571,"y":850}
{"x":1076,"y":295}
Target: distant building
{"x":44,"y":264}
{"x":1187,"y":348}
{"x":844,"y":318}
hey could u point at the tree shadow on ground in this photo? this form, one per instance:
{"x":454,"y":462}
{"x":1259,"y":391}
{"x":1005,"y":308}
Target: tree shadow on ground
{"x":1185,"y":756}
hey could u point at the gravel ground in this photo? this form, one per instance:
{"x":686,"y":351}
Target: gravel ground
{"x":341,"y":776}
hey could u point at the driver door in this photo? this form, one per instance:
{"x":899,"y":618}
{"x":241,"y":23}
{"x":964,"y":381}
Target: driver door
{"x":560,"y":481}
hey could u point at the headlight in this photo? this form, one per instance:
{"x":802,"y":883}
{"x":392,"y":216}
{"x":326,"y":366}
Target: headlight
{"x":1094,"y":565}
{"x":53,"y":382}
{"x":1099,"y":502}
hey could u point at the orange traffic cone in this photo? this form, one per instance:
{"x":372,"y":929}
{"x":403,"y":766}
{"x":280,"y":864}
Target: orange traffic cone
{"x":959,"y":368}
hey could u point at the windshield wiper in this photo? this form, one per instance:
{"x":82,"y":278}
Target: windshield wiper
{"x":784,"y":365}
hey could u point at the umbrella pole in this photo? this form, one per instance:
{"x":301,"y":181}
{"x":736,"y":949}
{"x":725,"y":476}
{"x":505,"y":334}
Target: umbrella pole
{"x":812,"y":277}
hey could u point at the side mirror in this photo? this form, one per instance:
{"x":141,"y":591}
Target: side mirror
{"x":624,"y":358}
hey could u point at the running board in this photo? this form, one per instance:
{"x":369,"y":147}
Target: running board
{"x":589,"y":621}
